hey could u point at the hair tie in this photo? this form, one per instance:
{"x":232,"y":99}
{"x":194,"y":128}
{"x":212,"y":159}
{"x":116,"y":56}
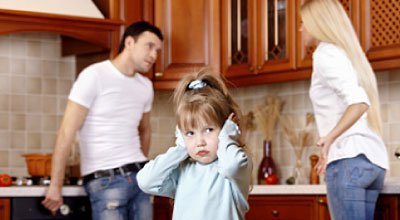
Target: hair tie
{"x":197,"y":84}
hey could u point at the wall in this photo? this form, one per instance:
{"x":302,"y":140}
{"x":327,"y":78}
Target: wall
{"x":34,"y":83}
{"x":295,"y":96}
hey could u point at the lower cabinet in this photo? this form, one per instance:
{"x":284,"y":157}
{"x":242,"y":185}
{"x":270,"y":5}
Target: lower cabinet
{"x":163,"y":207}
{"x":4,"y":209}
{"x":311,"y":207}
{"x":283,"y":207}
{"x":290,"y":207}
{"x":388,"y":207}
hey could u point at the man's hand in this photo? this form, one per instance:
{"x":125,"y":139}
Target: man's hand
{"x":53,"y":200}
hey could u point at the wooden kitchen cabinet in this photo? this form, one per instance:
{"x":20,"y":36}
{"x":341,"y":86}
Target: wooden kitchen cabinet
{"x":191,"y":39}
{"x":387,"y":207}
{"x":257,"y":39}
{"x":4,"y":208}
{"x":163,"y":208}
{"x":282,"y":207}
{"x":380,"y":29}
{"x":311,"y":207}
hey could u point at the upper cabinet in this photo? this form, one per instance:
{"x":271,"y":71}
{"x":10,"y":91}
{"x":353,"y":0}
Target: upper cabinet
{"x":380,"y":25}
{"x":191,"y":39}
{"x":257,"y":38}
{"x":79,"y":34}
{"x":258,"y":41}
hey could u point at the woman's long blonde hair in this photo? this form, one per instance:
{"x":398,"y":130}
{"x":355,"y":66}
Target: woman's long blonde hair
{"x":211,"y":103}
{"x":327,"y":21}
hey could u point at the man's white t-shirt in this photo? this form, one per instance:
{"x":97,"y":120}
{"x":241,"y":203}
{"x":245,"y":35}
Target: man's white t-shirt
{"x":109,"y":137}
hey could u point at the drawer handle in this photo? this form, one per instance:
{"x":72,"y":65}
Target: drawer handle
{"x":321,"y":201}
{"x":159,"y":74}
{"x":275,"y":212}
{"x":251,"y":69}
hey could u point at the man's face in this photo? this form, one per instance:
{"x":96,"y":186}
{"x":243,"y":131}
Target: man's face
{"x":202,"y":142}
{"x":144,"y":51}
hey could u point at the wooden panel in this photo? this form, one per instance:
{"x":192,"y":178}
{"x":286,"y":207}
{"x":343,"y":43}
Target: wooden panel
{"x":276,"y":47}
{"x":323,"y":210}
{"x":387,"y":208}
{"x":282,"y":207}
{"x":191,"y":36}
{"x":163,"y":208}
{"x":229,"y":67}
{"x":4,"y":209}
{"x":381,"y":28}
{"x":99,"y":32}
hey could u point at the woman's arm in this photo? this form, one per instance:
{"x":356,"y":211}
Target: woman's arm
{"x":349,"y":117}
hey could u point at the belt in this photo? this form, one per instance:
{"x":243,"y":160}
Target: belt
{"x":131,"y":167}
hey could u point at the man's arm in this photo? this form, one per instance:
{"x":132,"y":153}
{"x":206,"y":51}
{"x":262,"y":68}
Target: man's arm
{"x":145,"y":133}
{"x":73,"y":119}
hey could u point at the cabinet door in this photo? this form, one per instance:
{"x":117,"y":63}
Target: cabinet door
{"x":282,"y":207}
{"x":4,"y":209}
{"x":162,"y":208}
{"x":381,"y":29}
{"x":191,"y":38}
{"x":323,"y":210}
{"x":238,"y":37}
{"x":304,"y":54}
{"x":387,"y":207}
{"x":276,"y":35}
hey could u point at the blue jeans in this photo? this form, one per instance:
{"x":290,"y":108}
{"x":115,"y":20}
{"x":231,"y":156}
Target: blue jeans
{"x":118,"y":198}
{"x":353,"y":186}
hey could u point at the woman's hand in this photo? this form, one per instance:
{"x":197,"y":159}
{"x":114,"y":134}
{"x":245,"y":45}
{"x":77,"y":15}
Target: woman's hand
{"x":324,"y":143}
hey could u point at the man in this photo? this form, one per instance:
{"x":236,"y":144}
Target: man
{"x":110,"y":105}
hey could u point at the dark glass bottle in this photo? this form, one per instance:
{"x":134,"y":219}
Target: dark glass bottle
{"x":267,"y":173}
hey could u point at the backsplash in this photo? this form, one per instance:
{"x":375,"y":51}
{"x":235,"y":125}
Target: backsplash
{"x":35,"y":81}
{"x":295,"y":96}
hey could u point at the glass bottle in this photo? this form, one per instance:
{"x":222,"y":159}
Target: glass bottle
{"x":267,"y":171}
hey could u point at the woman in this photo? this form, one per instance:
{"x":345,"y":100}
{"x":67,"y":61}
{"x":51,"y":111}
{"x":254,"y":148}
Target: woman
{"x":345,"y":99}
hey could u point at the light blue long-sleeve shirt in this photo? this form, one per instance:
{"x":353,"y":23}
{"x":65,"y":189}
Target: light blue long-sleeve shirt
{"x":218,"y":190}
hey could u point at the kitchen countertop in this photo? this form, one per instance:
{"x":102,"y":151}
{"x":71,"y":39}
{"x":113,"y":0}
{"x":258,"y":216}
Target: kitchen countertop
{"x":38,"y":191}
{"x":392,"y":186}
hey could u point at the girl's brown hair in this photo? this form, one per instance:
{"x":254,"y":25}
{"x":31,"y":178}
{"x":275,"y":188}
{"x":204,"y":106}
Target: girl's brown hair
{"x":211,"y":103}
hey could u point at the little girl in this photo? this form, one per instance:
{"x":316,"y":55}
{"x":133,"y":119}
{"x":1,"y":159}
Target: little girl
{"x":208,"y":172}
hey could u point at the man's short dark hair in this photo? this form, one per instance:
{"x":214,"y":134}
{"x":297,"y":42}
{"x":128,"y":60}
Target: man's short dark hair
{"x":136,"y":29}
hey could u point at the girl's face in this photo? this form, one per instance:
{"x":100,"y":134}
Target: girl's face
{"x":202,"y":142}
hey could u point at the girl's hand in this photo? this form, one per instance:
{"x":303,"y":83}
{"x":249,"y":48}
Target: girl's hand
{"x":179,"y":138}
{"x":229,"y":133}
{"x":324,"y":143}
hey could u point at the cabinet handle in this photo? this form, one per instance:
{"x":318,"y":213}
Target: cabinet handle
{"x":321,"y":201}
{"x":258,"y":67}
{"x":275,"y":212}
{"x":158,"y":74}
{"x":251,"y":69}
